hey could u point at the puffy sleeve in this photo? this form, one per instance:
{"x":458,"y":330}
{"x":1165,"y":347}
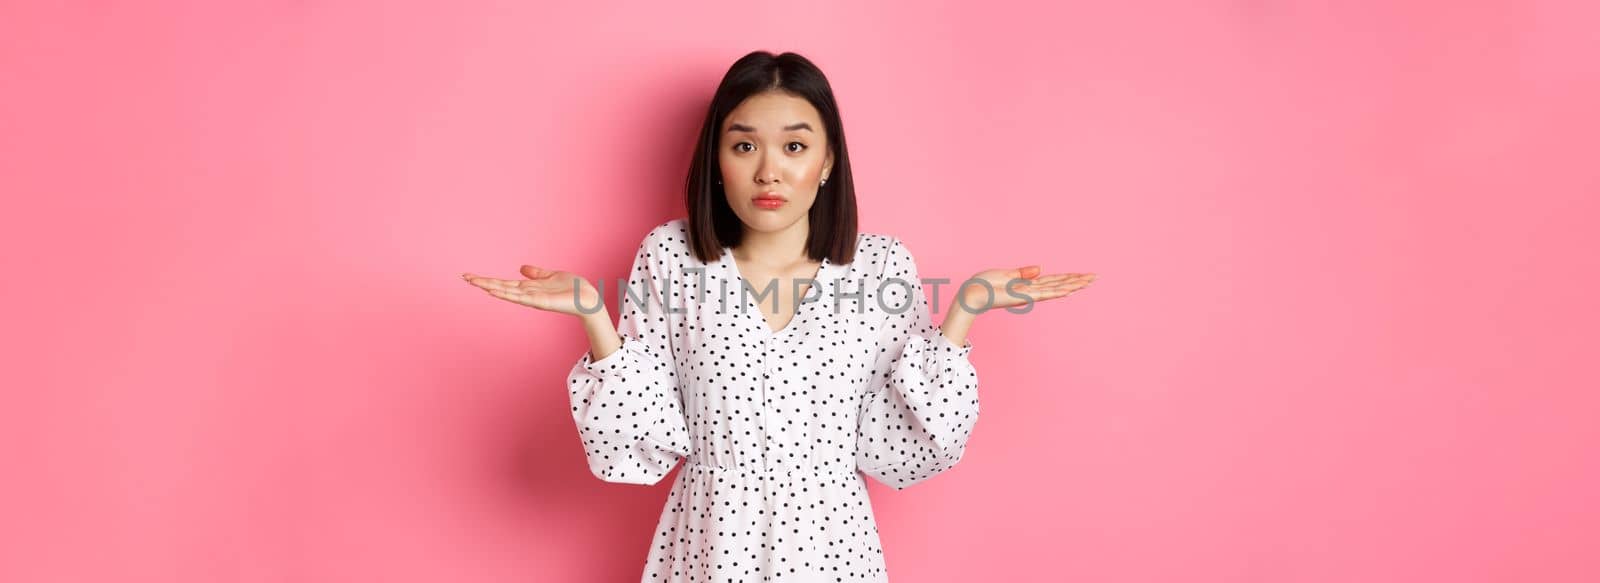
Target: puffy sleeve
{"x":922,"y":401}
{"x":627,"y":406}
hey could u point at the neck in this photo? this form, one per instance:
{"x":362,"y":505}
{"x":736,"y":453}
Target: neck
{"x":775,"y":249}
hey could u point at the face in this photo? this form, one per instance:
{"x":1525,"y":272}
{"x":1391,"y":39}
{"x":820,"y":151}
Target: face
{"x":774,"y":153}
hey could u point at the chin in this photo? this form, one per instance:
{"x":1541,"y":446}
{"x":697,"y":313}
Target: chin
{"x":765,"y":220}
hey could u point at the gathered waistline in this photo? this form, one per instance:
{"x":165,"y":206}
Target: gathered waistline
{"x":771,"y":472}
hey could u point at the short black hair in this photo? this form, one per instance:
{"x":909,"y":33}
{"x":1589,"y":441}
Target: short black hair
{"x":712,"y":223}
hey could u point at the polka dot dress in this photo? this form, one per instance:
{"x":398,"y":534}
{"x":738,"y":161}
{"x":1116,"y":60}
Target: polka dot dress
{"x":775,"y":428}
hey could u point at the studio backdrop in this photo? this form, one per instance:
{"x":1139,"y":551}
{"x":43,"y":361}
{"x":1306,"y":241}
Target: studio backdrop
{"x":1343,"y":328}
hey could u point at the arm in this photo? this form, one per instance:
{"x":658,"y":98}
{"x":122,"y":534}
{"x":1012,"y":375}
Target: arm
{"x":923,"y":404}
{"x":626,"y":403}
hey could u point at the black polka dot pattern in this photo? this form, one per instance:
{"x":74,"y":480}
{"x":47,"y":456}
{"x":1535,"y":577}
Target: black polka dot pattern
{"x":776,"y":428}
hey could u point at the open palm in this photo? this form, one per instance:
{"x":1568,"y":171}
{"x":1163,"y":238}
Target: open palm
{"x":1030,"y":288}
{"x":555,"y":291}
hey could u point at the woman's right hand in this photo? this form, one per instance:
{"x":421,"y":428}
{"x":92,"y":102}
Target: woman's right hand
{"x":555,"y":291}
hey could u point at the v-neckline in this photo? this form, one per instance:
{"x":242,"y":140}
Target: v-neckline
{"x":799,"y":308}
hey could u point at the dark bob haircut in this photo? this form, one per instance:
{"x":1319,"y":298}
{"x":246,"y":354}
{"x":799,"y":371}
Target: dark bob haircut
{"x":712,"y":223}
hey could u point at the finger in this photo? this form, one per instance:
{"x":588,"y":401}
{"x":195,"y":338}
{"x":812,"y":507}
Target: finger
{"x":1056,"y":278}
{"x":1026,"y":272}
{"x":1046,"y":295}
{"x":1048,"y":279}
{"x":1074,"y":280}
{"x":1055,"y":290}
{"x":492,"y":283}
{"x":534,"y":272}
{"x":1054,"y":281}
{"x":545,"y":286}
{"x":1068,"y":290}
{"x":475,"y":279}
{"x":513,"y":297}
{"x":1068,"y":286}
{"x":1027,"y":287}
{"x":1081,"y":282}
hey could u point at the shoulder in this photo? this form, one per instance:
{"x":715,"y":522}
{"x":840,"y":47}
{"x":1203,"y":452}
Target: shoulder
{"x":882,"y":254}
{"x":665,"y":245}
{"x":673,"y":231}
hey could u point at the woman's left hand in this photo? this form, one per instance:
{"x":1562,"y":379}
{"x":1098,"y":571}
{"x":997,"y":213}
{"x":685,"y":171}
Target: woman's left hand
{"x":1029,"y":287}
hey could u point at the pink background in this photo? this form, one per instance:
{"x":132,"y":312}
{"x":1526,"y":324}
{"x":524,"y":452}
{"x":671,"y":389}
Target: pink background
{"x":1347,"y":259}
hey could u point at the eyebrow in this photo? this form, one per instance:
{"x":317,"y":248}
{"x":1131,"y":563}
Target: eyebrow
{"x":788,"y":128}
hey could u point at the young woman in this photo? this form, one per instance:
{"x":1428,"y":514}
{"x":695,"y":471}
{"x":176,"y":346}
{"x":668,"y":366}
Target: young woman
{"x":779,"y":410}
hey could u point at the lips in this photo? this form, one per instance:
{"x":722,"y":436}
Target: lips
{"x":769,"y":201}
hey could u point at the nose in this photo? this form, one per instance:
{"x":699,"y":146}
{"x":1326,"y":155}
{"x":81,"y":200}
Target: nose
{"x":768,"y":172}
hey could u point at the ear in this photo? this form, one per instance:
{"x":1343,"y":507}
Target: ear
{"x":827,"y":164}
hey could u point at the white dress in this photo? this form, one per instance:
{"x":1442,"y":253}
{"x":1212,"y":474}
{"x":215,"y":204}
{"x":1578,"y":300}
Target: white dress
{"x":775,"y":428}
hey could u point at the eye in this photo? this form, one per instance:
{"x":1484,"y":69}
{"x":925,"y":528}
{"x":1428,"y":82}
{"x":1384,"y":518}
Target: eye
{"x":802,"y":146}
{"x":736,"y":146}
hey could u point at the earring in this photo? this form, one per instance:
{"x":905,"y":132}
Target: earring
{"x":719,"y":181}
{"x":824,"y":182}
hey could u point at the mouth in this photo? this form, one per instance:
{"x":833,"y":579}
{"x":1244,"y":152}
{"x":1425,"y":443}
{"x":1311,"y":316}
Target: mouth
{"x":769,"y":200}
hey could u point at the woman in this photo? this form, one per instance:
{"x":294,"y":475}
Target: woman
{"x":778,"y":412}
